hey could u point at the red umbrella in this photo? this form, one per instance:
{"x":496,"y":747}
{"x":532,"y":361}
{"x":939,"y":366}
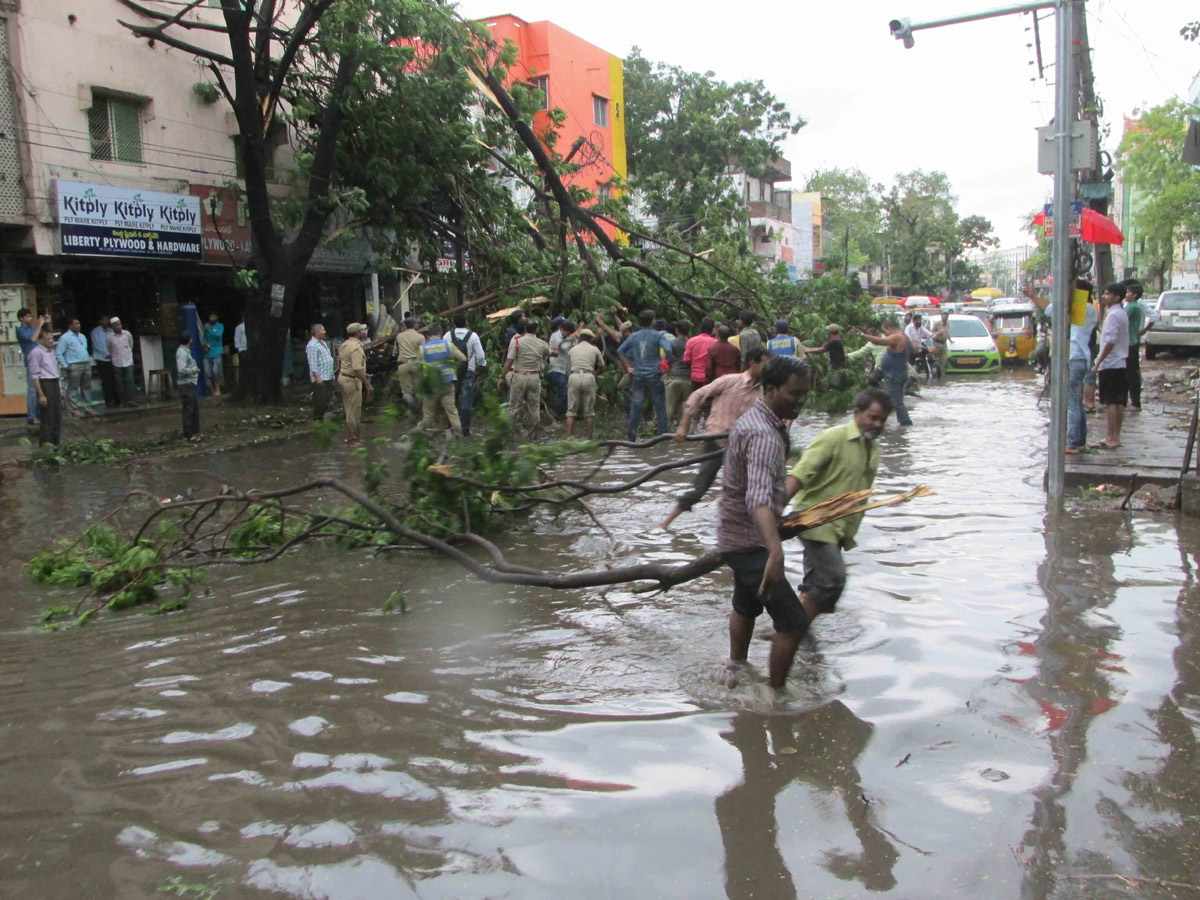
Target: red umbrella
{"x":1097,"y":227}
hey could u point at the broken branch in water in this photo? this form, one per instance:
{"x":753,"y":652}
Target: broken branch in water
{"x":267,"y":524}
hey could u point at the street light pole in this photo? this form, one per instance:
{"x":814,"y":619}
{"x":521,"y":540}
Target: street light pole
{"x":1064,"y":116}
{"x":1061,"y":262}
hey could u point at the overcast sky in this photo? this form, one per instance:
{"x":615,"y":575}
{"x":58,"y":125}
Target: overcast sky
{"x":961,"y":101}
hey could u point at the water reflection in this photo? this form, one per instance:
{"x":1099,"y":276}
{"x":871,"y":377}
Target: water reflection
{"x":819,"y":748}
{"x":1156,"y":822}
{"x":1071,"y":684}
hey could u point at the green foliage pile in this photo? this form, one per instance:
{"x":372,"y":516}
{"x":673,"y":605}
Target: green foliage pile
{"x":80,"y":453}
{"x":120,"y":574}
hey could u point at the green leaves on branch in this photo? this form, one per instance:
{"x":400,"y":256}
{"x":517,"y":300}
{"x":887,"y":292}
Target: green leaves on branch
{"x":118,"y":574}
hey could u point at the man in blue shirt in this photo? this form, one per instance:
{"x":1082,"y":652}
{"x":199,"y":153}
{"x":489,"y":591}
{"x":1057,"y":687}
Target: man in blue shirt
{"x":214,"y":335}
{"x":27,"y":333}
{"x":76,"y":365}
{"x":108,"y":380}
{"x":1082,"y":317}
{"x":642,"y":353}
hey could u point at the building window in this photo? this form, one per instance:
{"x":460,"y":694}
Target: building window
{"x":603,"y":192}
{"x":600,"y":110}
{"x":541,"y":84}
{"x":115,"y":127}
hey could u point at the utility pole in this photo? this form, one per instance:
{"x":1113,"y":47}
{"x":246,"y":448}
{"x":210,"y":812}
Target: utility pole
{"x":1065,"y":94}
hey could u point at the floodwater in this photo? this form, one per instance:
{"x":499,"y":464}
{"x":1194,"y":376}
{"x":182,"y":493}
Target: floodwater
{"x":997,"y":708}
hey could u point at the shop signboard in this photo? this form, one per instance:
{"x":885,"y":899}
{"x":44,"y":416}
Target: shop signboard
{"x":225,"y":225}
{"x":102,"y":220}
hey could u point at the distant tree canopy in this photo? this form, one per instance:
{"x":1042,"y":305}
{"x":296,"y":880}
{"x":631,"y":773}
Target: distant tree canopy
{"x":1150,"y":161}
{"x":683,"y":131}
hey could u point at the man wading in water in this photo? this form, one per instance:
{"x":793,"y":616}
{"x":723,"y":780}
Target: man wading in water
{"x":748,"y":517}
{"x":841,"y":459}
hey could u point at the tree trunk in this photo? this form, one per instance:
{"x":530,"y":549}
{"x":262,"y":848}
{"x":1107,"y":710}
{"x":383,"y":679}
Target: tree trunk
{"x":267,"y":331}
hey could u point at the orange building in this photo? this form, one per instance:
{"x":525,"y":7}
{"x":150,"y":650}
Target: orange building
{"x":583,"y":81}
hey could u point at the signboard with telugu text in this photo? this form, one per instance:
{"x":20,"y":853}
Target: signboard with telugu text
{"x":102,"y":220}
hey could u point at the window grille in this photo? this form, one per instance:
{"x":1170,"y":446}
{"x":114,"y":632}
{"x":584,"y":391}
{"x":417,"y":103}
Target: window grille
{"x":541,"y":84}
{"x":12,"y":194}
{"x":600,"y":111}
{"x":115,"y":127}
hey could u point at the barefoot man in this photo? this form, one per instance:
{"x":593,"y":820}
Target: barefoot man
{"x":841,"y":459}
{"x":748,"y":517}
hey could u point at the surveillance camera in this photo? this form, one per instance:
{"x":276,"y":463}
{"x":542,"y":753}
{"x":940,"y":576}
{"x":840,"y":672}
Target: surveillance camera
{"x":902,"y":31}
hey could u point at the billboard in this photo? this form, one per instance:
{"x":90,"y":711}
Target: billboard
{"x":102,"y":220}
{"x":225,"y":225}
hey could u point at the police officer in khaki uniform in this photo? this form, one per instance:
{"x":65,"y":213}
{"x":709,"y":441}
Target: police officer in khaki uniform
{"x":527,"y":355}
{"x":352,"y":378}
{"x":408,"y":353}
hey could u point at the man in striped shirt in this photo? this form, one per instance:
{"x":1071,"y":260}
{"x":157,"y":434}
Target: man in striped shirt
{"x":748,"y":517}
{"x":731,"y":396}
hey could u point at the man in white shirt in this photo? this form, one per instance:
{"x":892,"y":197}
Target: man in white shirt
{"x":916,"y":332}
{"x":1109,"y":367}
{"x":471,"y":347}
{"x":120,"y":351}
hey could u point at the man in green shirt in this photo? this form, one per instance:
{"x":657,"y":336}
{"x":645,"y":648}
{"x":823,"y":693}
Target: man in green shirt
{"x":839,"y":460}
{"x":1139,"y":324}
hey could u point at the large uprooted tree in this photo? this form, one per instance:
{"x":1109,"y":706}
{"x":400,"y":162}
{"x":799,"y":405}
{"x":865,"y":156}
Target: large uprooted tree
{"x":320,"y":66}
{"x":373,"y":97}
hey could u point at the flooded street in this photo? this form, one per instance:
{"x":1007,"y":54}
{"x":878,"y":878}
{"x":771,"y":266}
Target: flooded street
{"x":997,"y":707}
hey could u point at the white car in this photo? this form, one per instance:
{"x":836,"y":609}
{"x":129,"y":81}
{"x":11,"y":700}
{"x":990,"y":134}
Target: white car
{"x":1178,"y":323}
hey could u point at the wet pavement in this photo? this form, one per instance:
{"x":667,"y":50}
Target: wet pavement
{"x":1002,"y":705}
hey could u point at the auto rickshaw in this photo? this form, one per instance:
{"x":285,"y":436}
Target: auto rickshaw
{"x":1013,"y":331}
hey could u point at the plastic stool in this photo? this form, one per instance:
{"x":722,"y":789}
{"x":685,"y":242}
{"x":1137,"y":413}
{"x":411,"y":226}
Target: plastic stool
{"x":164,"y":384}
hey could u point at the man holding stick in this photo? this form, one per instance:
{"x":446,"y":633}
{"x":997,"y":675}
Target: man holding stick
{"x":841,"y":459}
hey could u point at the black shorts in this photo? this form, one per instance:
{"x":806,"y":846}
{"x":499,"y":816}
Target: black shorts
{"x":781,"y":602}
{"x":1114,"y":387}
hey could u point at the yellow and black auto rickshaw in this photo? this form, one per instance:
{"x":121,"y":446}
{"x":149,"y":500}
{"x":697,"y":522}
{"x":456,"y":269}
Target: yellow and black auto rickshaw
{"x":1013,"y":330}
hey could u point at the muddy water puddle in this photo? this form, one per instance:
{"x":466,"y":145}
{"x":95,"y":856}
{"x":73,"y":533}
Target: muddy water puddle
{"x":996,"y":707}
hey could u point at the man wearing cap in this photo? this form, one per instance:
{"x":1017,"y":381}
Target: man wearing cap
{"x":941,"y":340}
{"x":352,"y":378}
{"x":408,"y":354}
{"x":120,"y":353}
{"x":441,"y":352}
{"x":784,"y":344}
{"x":585,"y":361}
{"x":527,"y":353}
{"x":320,"y":371}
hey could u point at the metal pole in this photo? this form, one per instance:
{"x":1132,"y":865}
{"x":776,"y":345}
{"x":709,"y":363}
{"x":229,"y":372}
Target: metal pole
{"x":987,"y":14}
{"x":1064,"y":115}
